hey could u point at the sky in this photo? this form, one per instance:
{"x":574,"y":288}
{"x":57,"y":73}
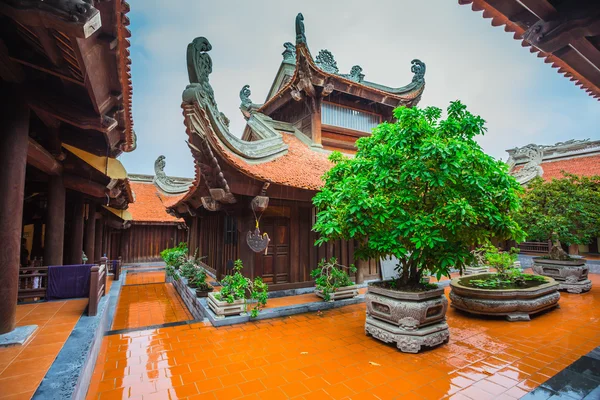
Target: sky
{"x":522,"y":99}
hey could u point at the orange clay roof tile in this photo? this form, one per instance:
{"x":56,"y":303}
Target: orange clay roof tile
{"x":150,"y":204}
{"x":301,"y":167}
{"x":583,"y":166}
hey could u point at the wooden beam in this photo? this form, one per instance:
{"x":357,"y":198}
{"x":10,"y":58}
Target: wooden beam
{"x":41,"y":159}
{"x":541,"y":8}
{"x":47,"y":70}
{"x":85,"y":186}
{"x":9,"y":70}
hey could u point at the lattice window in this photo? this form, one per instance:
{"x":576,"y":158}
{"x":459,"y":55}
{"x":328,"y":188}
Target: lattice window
{"x":344,"y":117}
{"x":230,"y":230}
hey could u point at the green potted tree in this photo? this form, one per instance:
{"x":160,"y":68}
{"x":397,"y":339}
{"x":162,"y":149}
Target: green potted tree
{"x":507,"y":292}
{"x":565,"y":211}
{"x":423,"y":191}
{"x":333,"y":282}
{"x":232,"y":298}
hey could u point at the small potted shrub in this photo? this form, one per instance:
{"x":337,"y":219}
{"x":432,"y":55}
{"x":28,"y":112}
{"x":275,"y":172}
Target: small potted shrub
{"x":420,"y":190}
{"x":231,"y":299}
{"x":479,"y":264}
{"x":199,"y":281}
{"x":332,"y":281}
{"x":565,"y":210}
{"x":507,"y":292}
{"x":188,"y":270}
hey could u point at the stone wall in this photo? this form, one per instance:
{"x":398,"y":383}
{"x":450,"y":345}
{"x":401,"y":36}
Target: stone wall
{"x":188,"y":295}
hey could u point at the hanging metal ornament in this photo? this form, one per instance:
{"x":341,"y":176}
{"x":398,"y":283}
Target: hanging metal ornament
{"x":258,"y":241}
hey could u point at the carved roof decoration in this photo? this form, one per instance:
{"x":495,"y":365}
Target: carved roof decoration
{"x":168,"y":184}
{"x":323,"y":70}
{"x":574,"y":156}
{"x":565,"y":34}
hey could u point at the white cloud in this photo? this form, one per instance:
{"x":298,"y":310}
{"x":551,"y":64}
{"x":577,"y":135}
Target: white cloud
{"x":522,"y":98}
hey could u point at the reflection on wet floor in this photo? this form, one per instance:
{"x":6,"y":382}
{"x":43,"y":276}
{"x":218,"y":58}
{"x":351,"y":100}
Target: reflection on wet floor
{"x":327,"y":355}
{"x":148,"y":304}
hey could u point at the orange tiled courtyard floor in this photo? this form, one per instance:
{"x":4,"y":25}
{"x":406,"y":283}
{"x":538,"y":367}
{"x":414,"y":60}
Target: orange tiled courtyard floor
{"x":328,"y":356}
{"x":23,"y":367}
{"x":148,"y":304}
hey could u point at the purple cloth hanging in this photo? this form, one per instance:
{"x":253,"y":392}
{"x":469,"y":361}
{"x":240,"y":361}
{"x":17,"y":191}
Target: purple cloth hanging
{"x":68,"y":281}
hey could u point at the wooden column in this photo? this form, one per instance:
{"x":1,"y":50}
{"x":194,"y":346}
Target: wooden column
{"x":36,"y":246}
{"x":362,"y":266}
{"x":76,"y":239}
{"x":315,"y":121}
{"x":89,"y":238}
{"x":14,"y":127}
{"x":55,"y":222}
{"x":98,"y":239}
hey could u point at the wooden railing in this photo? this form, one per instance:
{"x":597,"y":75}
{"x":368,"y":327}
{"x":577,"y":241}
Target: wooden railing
{"x":33,"y":282}
{"x":97,"y":288}
{"x":536,"y":247}
{"x":113,"y":266}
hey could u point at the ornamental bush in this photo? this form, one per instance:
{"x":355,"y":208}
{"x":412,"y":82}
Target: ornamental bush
{"x":175,"y":256}
{"x":330,"y":276}
{"x":567,"y":209}
{"x":234,"y":287}
{"x":420,"y":189}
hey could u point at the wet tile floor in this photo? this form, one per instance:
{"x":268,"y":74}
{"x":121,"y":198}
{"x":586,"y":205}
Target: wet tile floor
{"x":22,"y":368}
{"x":328,"y":356}
{"x":148,"y":303}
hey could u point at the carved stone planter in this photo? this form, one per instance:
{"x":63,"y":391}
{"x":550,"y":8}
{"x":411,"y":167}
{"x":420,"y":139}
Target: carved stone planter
{"x":480,"y":269}
{"x":409,"y":319}
{"x":344,"y":292}
{"x":223,"y":308}
{"x":514,"y":304}
{"x":571,"y":276}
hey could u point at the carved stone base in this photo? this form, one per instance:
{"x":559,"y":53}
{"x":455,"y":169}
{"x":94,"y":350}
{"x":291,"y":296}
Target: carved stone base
{"x":408,"y":341}
{"x":345,"y":292}
{"x":223,"y":308}
{"x":476,"y":270}
{"x":576,"y":287}
{"x":572,"y":276}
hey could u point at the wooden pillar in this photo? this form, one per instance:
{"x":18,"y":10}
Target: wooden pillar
{"x":362,"y":266}
{"x":36,"y":246}
{"x":315,"y":121}
{"x":98,"y":239}
{"x":89,"y":237}
{"x":14,"y":127}
{"x":124,"y":245}
{"x":76,"y":239}
{"x":55,"y":222}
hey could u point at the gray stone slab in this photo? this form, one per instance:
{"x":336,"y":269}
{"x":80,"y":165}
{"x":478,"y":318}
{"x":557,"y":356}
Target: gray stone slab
{"x":70,"y":374}
{"x":18,"y":337}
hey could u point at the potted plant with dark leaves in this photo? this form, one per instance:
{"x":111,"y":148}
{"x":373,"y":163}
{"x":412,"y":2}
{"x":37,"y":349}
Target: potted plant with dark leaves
{"x":333,"y":282}
{"x":507,"y":292}
{"x":199,"y":281}
{"x":565,"y":211}
{"x":423,"y":191}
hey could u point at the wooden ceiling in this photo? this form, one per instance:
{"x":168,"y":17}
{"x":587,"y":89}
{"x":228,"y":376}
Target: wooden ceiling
{"x":565,"y":33}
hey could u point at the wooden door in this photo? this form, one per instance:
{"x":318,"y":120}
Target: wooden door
{"x":274,"y":266}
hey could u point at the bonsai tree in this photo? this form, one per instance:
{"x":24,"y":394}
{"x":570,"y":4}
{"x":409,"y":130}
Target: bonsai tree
{"x":563,"y":210}
{"x":236,"y":286}
{"x":420,"y":189}
{"x":330,"y":276}
{"x":175,"y":256}
{"x":199,"y":280}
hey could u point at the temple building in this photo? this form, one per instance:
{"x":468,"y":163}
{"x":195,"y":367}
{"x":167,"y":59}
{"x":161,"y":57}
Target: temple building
{"x":577,"y":157}
{"x":263,"y":182}
{"x":66,"y":117}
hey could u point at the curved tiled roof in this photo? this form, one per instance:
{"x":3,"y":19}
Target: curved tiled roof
{"x":125,"y":74}
{"x":150,"y":205}
{"x":582,"y":166}
{"x":500,"y":19}
{"x":301,"y":167}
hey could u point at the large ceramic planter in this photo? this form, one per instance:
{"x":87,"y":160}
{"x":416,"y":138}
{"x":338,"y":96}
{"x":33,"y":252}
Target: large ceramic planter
{"x":223,"y":308}
{"x":344,"y":292}
{"x":514,"y":304}
{"x":409,"y":319}
{"x":571,"y":276}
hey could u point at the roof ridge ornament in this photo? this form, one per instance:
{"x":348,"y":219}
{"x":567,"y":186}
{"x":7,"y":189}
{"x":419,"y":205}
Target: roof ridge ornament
{"x":164,"y":182}
{"x":289,"y":54}
{"x":245,"y":96}
{"x":300,"y":34}
{"x":326,"y":62}
{"x":418,"y":68}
